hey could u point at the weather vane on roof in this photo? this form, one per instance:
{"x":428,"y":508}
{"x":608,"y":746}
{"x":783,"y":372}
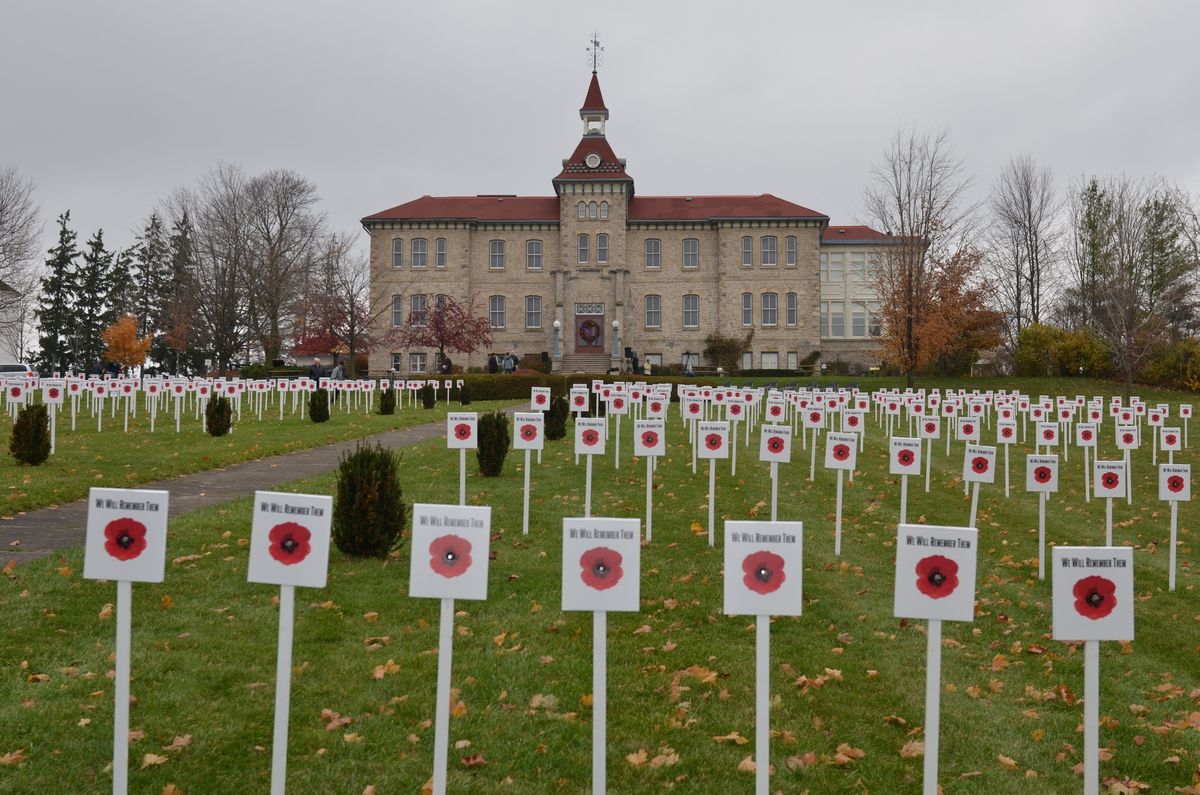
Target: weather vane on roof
{"x":595,"y":53}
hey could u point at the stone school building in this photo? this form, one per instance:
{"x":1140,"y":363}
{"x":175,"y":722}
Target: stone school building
{"x":597,"y":271}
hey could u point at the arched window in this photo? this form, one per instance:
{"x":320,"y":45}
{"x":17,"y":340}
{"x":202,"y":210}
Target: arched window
{"x":420,"y":251}
{"x":440,"y":252}
{"x":582,"y":210}
{"x":533,"y":255}
{"x":496,"y":311}
{"x":691,"y":253}
{"x":533,"y":311}
{"x":769,"y":311}
{"x":653,"y":253}
{"x":770,"y":251}
{"x":397,"y":252}
{"x":747,"y":252}
{"x":691,"y":311}
{"x":418,"y":309}
{"x":601,"y":247}
{"x":592,"y":211}
{"x":653,"y":311}
{"x":397,"y":310}
{"x":747,"y":309}
{"x":603,"y":211}
{"x":583,"y":249}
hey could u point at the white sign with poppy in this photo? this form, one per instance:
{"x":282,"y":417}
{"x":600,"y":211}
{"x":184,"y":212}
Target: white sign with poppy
{"x":852,"y":421}
{"x":539,"y":398}
{"x":289,"y":539}
{"x":1175,"y":482}
{"x":840,"y":450}
{"x":126,"y":535}
{"x":1006,"y":431}
{"x":1172,"y":439}
{"x":1041,"y":473}
{"x":775,"y":444}
{"x":813,"y":417}
{"x":1127,"y":438}
{"x":579,"y":400}
{"x":1185,"y":409}
{"x":776,"y":410}
{"x":1092,"y":593}
{"x":979,"y":464}
{"x":935,"y":572}
{"x":1047,"y":433}
{"x":1108,"y":479}
{"x":649,"y":437}
{"x":968,"y":431}
{"x":735,"y":411}
{"x":764,"y":566}
{"x":656,"y":407}
{"x":1085,"y":434}
{"x":601,"y":564}
{"x":692,"y":408}
{"x":712,"y":439}
{"x":905,"y":456}
{"x":53,"y":392}
{"x":528,"y":430}
{"x":461,"y":430}
{"x":930,"y":428}
{"x":618,"y":405}
{"x":449,"y":551}
{"x":590,"y":436}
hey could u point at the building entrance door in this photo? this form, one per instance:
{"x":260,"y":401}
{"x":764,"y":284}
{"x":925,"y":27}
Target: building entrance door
{"x":589,"y":328}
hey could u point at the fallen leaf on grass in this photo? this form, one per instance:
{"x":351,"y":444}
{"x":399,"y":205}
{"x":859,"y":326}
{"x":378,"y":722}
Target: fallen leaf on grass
{"x":637,"y":758}
{"x":167,"y":602}
{"x":1007,"y":761}
{"x":747,"y":765}
{"x":380,"y":671}
{"x":152,"y":759}
{"x":13,"y":757}
{"x":474,"y":760}
{"x":847,"y":754}
{"x":181,"y":741}
{"x":912,"y":749}
{"x":732,"y":737}
{"x":106,"y":612}
{"x":800,"y":761}
{"x":665,"y":758}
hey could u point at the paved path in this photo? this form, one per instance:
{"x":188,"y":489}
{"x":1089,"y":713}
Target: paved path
{"x":35,"y":534}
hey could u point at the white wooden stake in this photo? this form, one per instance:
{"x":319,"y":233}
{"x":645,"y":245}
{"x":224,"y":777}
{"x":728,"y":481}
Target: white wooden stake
{"x":441,"y":718}
{"x":774,"y":489}
{"x":1005,"y":472}
{"x":1174,"y":526}
{"x":1041,"y":535}
{"x":812,"y":464}
{"x":587,"y":489}
{"x":928,"y":462}
{"x":1108,"y":522}
{"x":762,"y":704}
{"x":53,"y":414}
{"x":617,"y":457}
{"x":283,"y":688}
{"x":525,"y":508}
{"x":974,"y":504}
{"x":837,"y":525}
{"x":1087,"y":477}
{"x":733,"y":458}
{"x":462,"y":476}
{"x":903,"y":500}
{"x":649,"y":494}
{"x":933,"y":688}
{"x":1128,"y":479}
{"x":120,"y":765}
{"x":599,"y":699}
{"x":1091,"y":717}
{"x":692,"y":433}
{"x":712,"y":488}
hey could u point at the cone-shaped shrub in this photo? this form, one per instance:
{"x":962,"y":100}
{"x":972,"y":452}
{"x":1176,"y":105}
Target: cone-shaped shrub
{"x":428,"y":396}
{"x":318,"y":406}
{"x":368,"y":510}
{"x":493,"y":443}
{"x":556,"y":418}
{"x":387,"y":402}
{"x":218,"y":416}
{"x":30,"y":442}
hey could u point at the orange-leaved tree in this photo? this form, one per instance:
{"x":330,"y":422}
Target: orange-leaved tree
{"x":123,"y":344}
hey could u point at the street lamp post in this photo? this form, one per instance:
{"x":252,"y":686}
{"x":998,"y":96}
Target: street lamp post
{"x":557,"y":332}
{"x":616,"y":354}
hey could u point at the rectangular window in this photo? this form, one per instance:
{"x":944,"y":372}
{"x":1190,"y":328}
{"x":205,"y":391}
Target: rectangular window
{"x":858,"y":319}
{"x":691,"y":311}
{"x":654,"y":311}
{"x":691,"y":253}
{"x":496,"y":311}
{"x":420,"y":251}
{"x":654,"y":359}
{"x":747,"y":360}
{"x":747,"y":252}
{"x":824,"y":318}
{"x":496,"y":255}
{"x":601,"y":248}
{"x":397,"y":361}
{"x":653,"y":253}
{"x":397,"y":253}
{"x":837,"y":319}
{"x":793,"y":360}
{"x":874,"y":326}
{"x":858,"y":267}
{"x":747,"y":309}
{"x":533,"y":255}
{"x":533,"y":311}
{"x":397,"y":310}
{"x":416,"y":362}
{"x":690,"y":359}
{"x":833,"y":268}
{"x":792,"y":255}
{"x":824,"y":268}
{"x":770,"y":309}
{"x":417,"y":307}
{"x":583,"y":249}
{"x":770,"y":251}
{"x":439,"y":248}
{"x":792,"y":309}
{"x":768,"y":361}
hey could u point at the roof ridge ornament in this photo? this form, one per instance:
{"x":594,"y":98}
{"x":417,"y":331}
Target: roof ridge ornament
{"x":595,"y":53}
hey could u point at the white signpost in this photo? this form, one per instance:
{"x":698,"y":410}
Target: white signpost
{"x":935,"y":580}
{"x":528,"y":434}
{"x":930,"y":427}
{"x":979,"y":466}
{"x":590,"y":441}
{"x":775,"y":447}
{"x":289,"y":546}
{"x":712,"y":441}
{"x":126,"y":542}
{"x":1092,"y":600}
{"x":649,"y":441}
{"x":462,"y":434}
{"x":841,"y":450}
{"x":1041,"y":476}
{"x":764,"y":566}
{"x":1110,"y":480}
{"x":904,"y":459}
{"x":1175,"y":486}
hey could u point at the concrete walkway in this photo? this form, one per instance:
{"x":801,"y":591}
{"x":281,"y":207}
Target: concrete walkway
{"x":35,"y":534}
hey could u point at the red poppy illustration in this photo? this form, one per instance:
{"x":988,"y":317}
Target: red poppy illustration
{"x":1127,"y":438}
{"x":1048,"y":434}
{"x":713,"y":441}
{"x":529,"y":431}
{"x":1042,"y":474}
{"x":125,"y":538}
{"x":1170,"y":439}
{"x":600,"y":568}
{"x":841,"y":452}
{"x":1175,"y":483}
{"x":54,"y":396}
{"x":776,"y":411}
{"x":579,"y":400}
{"x":892,"y":407}
{"x":450,"y":555}
{"x":1154,"y":418}
{"x":775,"y":445}
{"x":655,"y":407}
{"x":1095,"y":597}
{"x":650,"y":438}
{"x":905,"y":457}
{"x":937,"y":576}
{"x":747,"y":398}
{"x":735,"y":408}
{"x":930,"y":427}
{"x":1086,"y":435}
{"x":694,"y":408}
{"x":852,"y":420}
{"x":814,"y":416}
{"x":590,"y":437}
{"x":539,"y":398}
{"x":968,"y":429}
{"x":618,"y":403}
{"x":1110,"y":481}
{"x":976,"y":409}
{"x":979,"y":464}
{"x":289,"y":543}
{"x":462,"y":431}
{"x":763,"y":572}
{"x":15,"y":392}
{"x":1006,"y":433}
{"x":1094,"y":415}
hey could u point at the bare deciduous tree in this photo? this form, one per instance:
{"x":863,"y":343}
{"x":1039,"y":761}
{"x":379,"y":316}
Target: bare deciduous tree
{"x":19,"y":230}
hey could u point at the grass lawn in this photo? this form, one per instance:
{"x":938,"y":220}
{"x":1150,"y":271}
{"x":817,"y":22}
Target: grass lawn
{"x":114,"y":458}
{"x":847,"y":677}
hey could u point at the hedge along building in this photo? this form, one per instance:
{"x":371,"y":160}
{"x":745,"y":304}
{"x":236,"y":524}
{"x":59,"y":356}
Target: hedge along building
{"x":596,"y":270}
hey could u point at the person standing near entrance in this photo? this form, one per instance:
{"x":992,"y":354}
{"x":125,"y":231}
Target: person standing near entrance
{"x":491,"y":365}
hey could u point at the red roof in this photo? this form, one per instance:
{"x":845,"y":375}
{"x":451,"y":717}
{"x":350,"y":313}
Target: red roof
{"x":610,"y":168}
{"x":473,"y":208}
{"x":594,"y":101}
{"x":854,"y":234}
{"x":701,"y":208}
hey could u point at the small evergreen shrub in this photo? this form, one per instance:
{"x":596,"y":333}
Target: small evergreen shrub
{"x":387,"y":402}
{"x":464,"y":394}
{"x":556,"y":418}
{"x":368,"y":508}
{"x":428,"y":396}
{"x":218,"y":416}
{"x":493,"y":443}
{"x":30,"y":442}
{"x":318,"y":406}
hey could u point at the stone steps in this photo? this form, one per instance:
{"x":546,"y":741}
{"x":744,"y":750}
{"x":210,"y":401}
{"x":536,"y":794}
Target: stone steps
{"x":586,"y":362}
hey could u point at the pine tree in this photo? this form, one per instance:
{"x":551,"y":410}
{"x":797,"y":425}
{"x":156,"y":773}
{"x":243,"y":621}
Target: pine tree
{"x":176,"y":344}
{"x":152,"y":277}
{"x":93,"y":310}
{"x":122,"y":289}
{"x":55,"y":310}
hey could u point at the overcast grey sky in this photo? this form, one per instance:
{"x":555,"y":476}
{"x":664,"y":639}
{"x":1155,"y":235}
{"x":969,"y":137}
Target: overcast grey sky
{"x":108,"y":106}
